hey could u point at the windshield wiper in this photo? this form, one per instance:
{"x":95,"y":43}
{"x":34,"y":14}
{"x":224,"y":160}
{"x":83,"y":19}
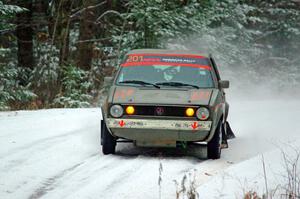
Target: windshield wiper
{"x":138,"y":82}
{"x":176,"y":84}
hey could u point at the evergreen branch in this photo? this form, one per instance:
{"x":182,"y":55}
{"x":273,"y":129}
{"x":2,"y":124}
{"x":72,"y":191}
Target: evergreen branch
{"x":87,"y":8}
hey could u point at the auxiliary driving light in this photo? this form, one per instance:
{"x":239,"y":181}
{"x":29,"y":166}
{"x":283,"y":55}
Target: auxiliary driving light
{"x":189,"y":112}
{"x":130,"y":110}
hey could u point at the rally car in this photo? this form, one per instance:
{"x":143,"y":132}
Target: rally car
{"x":166,"y":98}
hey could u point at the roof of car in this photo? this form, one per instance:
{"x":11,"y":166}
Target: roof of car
{"x":165,"y":51}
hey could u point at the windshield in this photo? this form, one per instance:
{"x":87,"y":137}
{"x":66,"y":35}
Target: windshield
{"x":162,"y":75}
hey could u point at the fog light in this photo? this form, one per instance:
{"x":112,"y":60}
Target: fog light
{"x":130,"y":110}
{"x":189,"y":112}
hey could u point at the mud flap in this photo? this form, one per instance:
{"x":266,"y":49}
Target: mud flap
{"x":229,"y":132}
{"x":224,"y":144}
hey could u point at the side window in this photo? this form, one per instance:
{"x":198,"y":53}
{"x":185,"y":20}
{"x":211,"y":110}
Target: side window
{"x":121,"y":77}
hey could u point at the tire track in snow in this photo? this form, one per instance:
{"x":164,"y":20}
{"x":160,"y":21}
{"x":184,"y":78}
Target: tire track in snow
{"x":30,"y":149}
{"x":101,"y":173}
{"x":48,"y":184}
{"x":53,"y":155}
{"x":40,"y":142}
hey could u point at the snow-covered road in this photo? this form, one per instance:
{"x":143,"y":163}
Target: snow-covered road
{"x":56,"y":153}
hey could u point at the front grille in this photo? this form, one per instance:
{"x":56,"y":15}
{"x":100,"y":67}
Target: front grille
{"x":159,"y":111}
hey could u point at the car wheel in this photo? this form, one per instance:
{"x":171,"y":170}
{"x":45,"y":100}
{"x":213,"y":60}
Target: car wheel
{"x":214,"y":145}
{"x":107,"y":140}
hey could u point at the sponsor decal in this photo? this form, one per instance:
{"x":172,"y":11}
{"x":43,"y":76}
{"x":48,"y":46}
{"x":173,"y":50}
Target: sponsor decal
{"x":123,"y":93}
{"x":200,"y":95}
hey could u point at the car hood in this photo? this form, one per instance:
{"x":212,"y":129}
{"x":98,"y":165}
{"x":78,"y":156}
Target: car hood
{"x":145,"y":95}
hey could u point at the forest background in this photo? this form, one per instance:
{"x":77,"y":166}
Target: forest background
{"x":57,"y":53}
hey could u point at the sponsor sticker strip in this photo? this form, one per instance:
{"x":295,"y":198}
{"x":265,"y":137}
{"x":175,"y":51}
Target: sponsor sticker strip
{"x":158,"y":124}
{"x":170,"y":60}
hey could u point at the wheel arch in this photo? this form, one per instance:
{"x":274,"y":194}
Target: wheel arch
{"x":214,"y":127}
{"x":104,"y":122}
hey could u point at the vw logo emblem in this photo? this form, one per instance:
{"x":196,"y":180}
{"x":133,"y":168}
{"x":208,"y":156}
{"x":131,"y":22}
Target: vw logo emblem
{"x":160,"y":111}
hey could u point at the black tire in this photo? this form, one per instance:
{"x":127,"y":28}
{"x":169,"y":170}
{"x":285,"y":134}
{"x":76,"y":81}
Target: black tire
{"x":214,"y":145}
{"x":108,"y":142}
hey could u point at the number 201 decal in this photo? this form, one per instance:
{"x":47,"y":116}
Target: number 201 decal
{"x":135,"y":58}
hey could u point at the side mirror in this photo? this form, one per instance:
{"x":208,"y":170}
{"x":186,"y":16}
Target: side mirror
{"x":224,"y":84}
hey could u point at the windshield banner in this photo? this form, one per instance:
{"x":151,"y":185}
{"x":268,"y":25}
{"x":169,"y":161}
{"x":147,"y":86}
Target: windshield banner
{"x":169,"y":60}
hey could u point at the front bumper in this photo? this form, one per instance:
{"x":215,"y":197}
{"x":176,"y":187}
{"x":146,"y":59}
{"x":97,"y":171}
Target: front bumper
{"x":158,"y":124}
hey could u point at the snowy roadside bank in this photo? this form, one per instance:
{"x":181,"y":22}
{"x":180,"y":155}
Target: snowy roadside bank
{"x":272,"y":133}
{"x":272,"y":172}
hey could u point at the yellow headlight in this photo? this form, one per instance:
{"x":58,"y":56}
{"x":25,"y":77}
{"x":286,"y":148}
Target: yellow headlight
{"x":189,"y":112}
{"x":130,"y":110}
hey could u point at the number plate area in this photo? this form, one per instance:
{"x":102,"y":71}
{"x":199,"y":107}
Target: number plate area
{"x":159,"y":124}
